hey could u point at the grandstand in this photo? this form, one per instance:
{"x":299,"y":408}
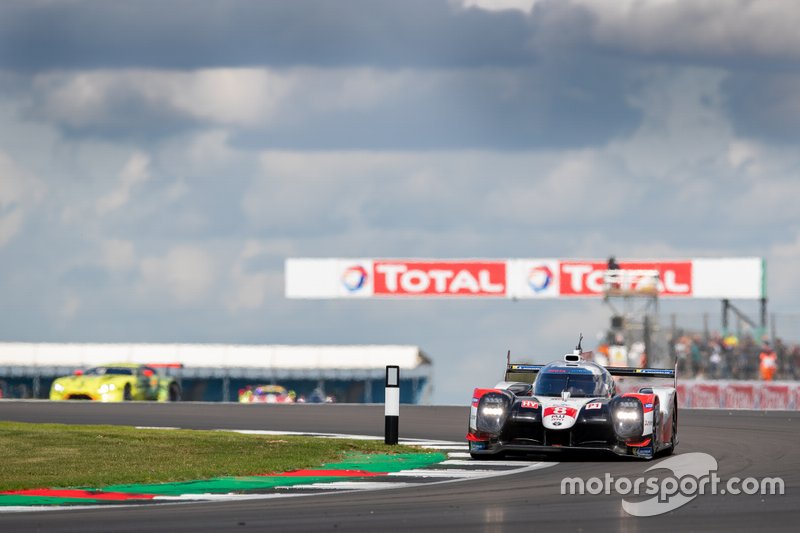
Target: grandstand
{"x":215,"y":372}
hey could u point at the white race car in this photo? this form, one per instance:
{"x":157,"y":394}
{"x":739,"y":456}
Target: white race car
{"x":573,"y":405}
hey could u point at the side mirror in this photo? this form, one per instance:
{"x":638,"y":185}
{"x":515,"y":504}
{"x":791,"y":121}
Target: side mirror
{"x":78,"y":372}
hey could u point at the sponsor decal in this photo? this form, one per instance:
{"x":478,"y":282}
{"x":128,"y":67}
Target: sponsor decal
{"x":585,"y":278}
{"x":561,"y":411}
{"x":354,"y":278}
{"x":540,"y":278}
{"x":527,"y":404}
{"x":438,"y":278}
{"x":593,"y":405}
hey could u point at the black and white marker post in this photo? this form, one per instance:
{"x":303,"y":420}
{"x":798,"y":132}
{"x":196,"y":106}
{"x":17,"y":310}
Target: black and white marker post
{"x":392,"y":406}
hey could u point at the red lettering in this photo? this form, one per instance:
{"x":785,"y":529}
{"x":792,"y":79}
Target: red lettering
{"x":585,"y":278}
{"x":439,"y":278}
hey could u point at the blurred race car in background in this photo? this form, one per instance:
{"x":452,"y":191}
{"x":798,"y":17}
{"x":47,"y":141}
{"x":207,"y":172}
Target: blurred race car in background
{"x":117,"y":382}
{"x":573,"y":405}
{"x":266,"y":394}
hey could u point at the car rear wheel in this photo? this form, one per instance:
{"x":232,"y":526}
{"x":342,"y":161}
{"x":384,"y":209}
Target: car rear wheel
{"x":673,"y":439}
{"x":656,"y":424}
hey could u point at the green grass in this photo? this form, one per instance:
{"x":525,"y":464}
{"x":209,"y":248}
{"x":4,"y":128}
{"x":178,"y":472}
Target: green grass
{"x":56,"y":455}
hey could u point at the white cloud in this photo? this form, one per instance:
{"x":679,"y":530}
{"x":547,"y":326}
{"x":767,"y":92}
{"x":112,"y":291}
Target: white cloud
{"x":135,"y":172}
{"x":10,"y":224}
{"x":20,"y":192}
{"x":185,"y":273}
{"x":698,"y":27}
{"x":583,"y":185}
{"x":70,"y":306}
{"x":240,"y":97}
{"x":782,"y":261}
{"x":118,"y":255}
{"x":524,"y":6}
{"x":226,"y":96}
{"x":248,"y":289}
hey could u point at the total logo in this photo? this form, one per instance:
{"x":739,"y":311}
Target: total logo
{"x":354,"y":278}
{"x":440,"y":278}
{"x":540,"y":278}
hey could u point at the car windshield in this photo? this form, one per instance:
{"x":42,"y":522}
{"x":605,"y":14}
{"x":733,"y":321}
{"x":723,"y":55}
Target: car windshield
{"x":109,"y":371}
{"x":578,"y":385}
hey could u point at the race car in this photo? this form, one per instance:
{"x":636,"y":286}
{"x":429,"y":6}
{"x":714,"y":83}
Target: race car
{"x":573,"y":405}
{"x":266,"y":394}
{"x":117,"y":382}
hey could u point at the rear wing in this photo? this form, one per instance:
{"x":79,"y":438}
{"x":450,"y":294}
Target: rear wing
{"x":625,"y":371}
{"x":520,"y":372}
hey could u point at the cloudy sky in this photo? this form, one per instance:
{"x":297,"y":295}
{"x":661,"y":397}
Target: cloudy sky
{"x":160,"y":160}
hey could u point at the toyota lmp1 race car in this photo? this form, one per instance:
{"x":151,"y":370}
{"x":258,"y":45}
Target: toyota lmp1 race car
{"x":573,"y":405}
{"x":117,"y":382}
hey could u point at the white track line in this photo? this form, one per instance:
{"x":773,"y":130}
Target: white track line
{"x":473,"y":462}
{"x":220,"y":497}
{"x":444,"y":472}
{"x":458,"y":455}
{"x":353,"y":485}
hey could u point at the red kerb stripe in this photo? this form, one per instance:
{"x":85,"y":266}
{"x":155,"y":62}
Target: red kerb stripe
{"x":77,"y":493}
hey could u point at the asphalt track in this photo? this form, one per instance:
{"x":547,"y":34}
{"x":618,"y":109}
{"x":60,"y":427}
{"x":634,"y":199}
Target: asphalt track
{"x":745,"y":444}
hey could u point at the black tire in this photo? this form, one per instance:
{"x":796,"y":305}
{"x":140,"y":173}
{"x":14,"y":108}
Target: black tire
{"x":486,"y":456}
{"x":656,"y":424}
{"x":127,"y":396}
{"x":174,"y":392}
{"x":674,"y":438}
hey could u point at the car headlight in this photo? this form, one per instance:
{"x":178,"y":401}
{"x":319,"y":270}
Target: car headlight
{"x":627,"y":417}
{"x":58,"y":387}
{"x":107,"y":387}
{"x":493,"y":411}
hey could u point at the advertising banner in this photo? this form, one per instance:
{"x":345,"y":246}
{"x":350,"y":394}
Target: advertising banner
{"x":523,"y":278}
{"x":740,"y":396}
{"x":706,"y":395}
{"x":775,"y":396}
{"x":760,"y":395}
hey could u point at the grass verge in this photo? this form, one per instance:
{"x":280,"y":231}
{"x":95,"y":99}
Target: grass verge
{"x":57,"y":455}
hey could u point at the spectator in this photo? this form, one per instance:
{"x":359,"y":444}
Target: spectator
{"x":715,"y":361}
{"x":794,"y":357}
{"x":768,"y":362}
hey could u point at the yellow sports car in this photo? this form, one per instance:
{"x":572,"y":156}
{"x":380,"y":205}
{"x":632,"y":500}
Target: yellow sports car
{"x":119,"y":382}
